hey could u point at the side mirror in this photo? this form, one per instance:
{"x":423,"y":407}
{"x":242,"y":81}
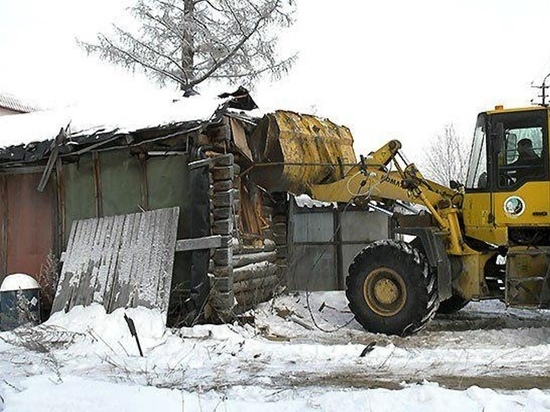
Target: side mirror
{"x":453,"y":184}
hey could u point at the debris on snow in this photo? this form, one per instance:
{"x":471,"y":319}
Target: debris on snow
{"x":468,"y":361}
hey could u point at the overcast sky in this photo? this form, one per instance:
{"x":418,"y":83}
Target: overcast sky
{"x":386,"y":69}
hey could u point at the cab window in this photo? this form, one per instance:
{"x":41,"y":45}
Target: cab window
{"x":522,"y":148}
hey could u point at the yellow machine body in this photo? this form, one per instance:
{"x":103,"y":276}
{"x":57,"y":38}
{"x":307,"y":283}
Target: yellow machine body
{"x":489,"y":238}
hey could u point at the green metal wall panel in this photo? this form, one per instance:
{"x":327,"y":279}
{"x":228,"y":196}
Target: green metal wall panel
{"x":79,"y":195}
{"x":120,"y":183}
{"x":168,"y":185}
{"x":121,"y":187}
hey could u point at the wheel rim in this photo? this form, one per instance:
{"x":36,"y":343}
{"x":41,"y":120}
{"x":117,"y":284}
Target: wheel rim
{"x":385,"y":291}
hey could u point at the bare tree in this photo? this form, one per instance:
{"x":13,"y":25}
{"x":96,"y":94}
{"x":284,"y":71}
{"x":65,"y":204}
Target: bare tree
{"x":446,"y":157}
{"x":190,"y":41}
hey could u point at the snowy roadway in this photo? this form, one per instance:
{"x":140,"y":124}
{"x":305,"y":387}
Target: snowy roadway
{"x":486,"y":357}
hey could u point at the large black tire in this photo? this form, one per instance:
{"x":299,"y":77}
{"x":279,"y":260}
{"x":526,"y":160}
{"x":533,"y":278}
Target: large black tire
{"x":452,"y":305}
{"x":391,"y":289}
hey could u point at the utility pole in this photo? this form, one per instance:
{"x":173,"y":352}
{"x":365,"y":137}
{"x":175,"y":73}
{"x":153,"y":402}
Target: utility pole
{"x":542,"y":88}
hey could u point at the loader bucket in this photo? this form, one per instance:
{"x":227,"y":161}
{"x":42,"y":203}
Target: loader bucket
{"x":294,"y":151}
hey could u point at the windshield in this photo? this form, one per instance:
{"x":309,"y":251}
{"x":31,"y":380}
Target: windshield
{"x":477,"y":170}
{"x":522,"y":147}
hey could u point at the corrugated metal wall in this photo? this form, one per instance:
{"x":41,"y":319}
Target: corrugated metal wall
{"x":27,"y":217}
{"x":323,"y":242}
{"x":116,"y":182}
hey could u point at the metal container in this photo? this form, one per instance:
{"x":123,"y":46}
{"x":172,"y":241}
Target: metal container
{"x":19,"y":301}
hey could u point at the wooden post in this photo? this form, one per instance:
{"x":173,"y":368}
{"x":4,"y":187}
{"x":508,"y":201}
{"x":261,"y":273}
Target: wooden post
{"x":222,"y":298}
{"x":280,"y":233}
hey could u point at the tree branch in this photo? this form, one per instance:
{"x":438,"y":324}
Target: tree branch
{"x":136,"y":60}
{"x":146,"y":46}
{"x":229,"y":55}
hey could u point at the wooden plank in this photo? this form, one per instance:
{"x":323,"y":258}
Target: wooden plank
{"x":154,"y":288}
{"x":59,"y":139}
{"x":207,"y":242}
{"x":103,"y":274}
{"x":86,"y":253}
{"x":82,"y":233}
{"x":254,"y":271}
{"x":119,"y":261}
{"x":250,"y":298}
{"x":165,"y":282}
{"x":125,"y":268}
{"x":142,"y":280}
{"x":268,"y":283}
{"x":110,"y":261}
{"x":61,"y":293}
{"x":144,"y":288}
{"x":72,"y":274}
{"x":247,"y":258}
{"x":98,"y":248}
{"x":239,"y":137}
{"x":157,"y":258}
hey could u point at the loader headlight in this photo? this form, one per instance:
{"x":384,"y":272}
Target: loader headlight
{"x":514,"y":206}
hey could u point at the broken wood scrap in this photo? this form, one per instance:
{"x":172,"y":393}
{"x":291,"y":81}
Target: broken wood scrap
{"x":369,"y":348}
{"x":300,"y":322}
{"x":324,"y":305}
{"x":267,"y":245}
{"x":284,"y":312}
{"x":277,"y":338}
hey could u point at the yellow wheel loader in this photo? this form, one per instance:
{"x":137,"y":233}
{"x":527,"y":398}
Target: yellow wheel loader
{"x":486,"y":239}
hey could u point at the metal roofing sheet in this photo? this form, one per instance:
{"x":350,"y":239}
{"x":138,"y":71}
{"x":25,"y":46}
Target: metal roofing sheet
{"x":306,"y":201}
{"x":10,"y":102}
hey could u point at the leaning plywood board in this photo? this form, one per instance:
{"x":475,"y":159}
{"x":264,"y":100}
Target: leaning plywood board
{"x":119,"y":261}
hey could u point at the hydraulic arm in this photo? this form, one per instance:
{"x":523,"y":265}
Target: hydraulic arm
{"x":373,"y":179}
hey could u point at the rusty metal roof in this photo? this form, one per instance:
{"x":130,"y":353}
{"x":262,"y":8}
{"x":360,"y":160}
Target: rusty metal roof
{"x":10,"y":102}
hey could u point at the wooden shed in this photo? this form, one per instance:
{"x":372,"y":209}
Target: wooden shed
{"x":79,"y":179}
{"x":181,"y":207}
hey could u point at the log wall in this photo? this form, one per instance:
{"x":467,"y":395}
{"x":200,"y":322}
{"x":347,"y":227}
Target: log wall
{"x":247,"y":269}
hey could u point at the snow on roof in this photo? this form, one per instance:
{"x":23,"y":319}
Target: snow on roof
{"x":87,"y":119}
{"x":10,"y":102}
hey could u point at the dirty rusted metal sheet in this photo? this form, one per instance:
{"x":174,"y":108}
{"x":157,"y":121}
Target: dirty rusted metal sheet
{"x":294,"y":151}
{"x":119,"y":261}
{"x":27,"y":223}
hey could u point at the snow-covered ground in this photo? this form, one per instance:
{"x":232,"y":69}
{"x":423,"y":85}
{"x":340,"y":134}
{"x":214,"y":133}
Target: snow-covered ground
{"x":297,"y":353}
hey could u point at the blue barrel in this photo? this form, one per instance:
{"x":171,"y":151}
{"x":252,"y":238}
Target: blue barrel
{"x":19,"y":301}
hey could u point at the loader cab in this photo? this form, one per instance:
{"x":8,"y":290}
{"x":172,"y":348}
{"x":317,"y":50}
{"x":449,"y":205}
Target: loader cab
{"x":507,"y":185}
